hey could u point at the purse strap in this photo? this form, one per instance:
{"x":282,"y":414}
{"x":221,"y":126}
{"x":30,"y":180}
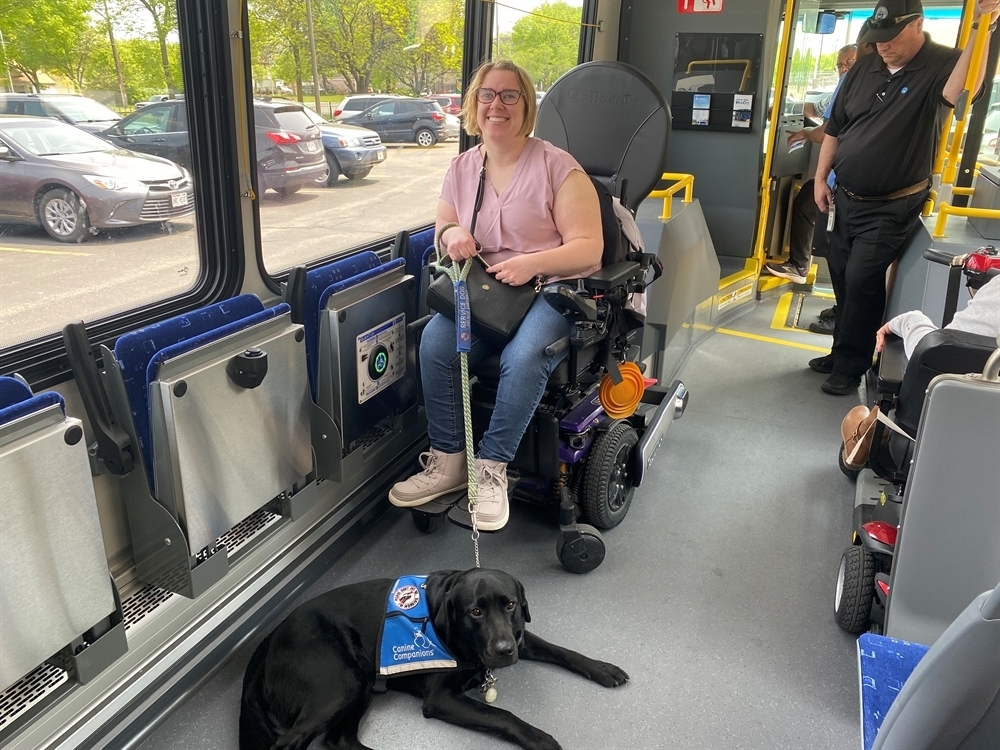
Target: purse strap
{"x":479,"y":199}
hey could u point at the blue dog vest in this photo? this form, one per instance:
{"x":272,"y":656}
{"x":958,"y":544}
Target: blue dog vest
{"x":408,"y":642}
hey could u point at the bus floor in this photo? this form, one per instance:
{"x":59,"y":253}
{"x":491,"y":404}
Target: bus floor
{"x":716,"y":595}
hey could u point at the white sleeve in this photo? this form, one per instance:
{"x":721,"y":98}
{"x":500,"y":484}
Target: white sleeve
{"x":982,"y":314}
{"x":911,"y":327}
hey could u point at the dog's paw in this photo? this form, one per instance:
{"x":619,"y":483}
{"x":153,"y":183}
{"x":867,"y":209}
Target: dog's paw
{"x":541,"y":741}
{"x":608,"y":674}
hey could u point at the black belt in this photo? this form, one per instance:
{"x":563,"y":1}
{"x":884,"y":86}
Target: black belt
{"x":904,"y":193}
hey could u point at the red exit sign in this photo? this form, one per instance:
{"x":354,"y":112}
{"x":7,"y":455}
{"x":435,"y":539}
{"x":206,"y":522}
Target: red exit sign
{"x":700,"y":6}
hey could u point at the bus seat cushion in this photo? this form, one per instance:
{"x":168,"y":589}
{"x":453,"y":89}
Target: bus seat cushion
{"x":134,"y":350}
{"x":317,"y":280}
{"x":884,"y":664}
{"x":31,"y":405}
{"x":12,"y":391}
{"x":420,"y":243}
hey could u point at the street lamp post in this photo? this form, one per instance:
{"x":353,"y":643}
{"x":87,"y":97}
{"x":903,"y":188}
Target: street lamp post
{"x":6,"y":63}
{"x":312,"y":54}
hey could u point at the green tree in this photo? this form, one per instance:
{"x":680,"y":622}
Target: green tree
{"x":45,"y":35}
{"x":280,"y":40}
{"x":434,"y":61}
{"x":358,"y":36}
{"x":547,"y":48}
{"x":164,"y":15}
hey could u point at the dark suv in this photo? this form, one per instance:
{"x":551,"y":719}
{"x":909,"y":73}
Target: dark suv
{"x":419,"y":121}
{"x":289,"y":147}
{"x":85,"y":113}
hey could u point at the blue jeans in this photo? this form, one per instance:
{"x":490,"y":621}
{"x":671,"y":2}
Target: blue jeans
{"x":524,"y":369}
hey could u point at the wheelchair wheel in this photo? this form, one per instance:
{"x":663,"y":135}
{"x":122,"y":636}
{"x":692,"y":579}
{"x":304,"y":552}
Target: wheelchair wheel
{"x":855,"y":589}
{"x":607,"y":483}
{"x":849,"y":473}
{"x":583,"y":557}
{"x":427,"y":523}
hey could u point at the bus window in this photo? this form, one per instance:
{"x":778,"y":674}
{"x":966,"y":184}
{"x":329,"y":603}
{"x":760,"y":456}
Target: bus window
{"x":331,"y":177}
{"x":542,"y":37}
{"x":90,"y":225}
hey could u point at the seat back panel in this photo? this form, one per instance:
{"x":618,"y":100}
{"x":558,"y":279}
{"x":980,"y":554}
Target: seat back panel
{"x":222,"y":451}
{"x":53,"y":569}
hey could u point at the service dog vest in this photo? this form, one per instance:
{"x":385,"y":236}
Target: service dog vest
{"x":408,"y":642}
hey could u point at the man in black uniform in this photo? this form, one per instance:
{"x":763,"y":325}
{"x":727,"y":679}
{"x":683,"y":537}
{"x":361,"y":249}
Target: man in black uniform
{"x":880,"y":140}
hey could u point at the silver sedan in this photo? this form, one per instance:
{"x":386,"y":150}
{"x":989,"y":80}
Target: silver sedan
{"x":72,"y":183}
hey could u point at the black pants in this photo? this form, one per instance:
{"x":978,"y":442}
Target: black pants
{"x":800,"y":233}
{"x":867,"y":237}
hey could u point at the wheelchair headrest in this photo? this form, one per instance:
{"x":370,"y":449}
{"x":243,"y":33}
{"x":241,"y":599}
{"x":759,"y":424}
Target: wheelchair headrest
{"x":613,"y":120}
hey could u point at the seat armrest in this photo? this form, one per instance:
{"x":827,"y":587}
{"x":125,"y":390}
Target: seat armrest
{"x":891,"y":365}
{"x":614,"y":275}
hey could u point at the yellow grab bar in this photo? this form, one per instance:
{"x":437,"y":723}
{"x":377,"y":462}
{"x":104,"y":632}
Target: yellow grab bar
{"x":685,"y":181}
{"x":945,"y":210}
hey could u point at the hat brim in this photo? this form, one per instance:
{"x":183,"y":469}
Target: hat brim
{"x":873,"y":35}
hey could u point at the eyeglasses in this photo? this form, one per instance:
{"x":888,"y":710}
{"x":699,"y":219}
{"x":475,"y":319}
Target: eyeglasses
{"x":507,"y":96}
{"x":888,"y":23}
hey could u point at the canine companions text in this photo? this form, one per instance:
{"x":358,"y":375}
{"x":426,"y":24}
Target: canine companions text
{"x":315,"y":675}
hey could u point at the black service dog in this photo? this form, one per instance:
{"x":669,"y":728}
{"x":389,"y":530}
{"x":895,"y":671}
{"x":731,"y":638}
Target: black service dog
{"x":314,"y":676}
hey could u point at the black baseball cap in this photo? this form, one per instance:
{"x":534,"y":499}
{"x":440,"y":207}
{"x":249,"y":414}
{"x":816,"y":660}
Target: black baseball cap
{"x":889,"y":18}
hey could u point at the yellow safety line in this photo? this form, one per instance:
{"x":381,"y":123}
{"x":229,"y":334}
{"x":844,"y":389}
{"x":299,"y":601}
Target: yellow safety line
{"x":781,"y":311}
{"x":771,"y":340}
{"x":41,"y":252}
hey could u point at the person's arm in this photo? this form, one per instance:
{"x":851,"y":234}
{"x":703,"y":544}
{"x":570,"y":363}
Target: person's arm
{"x":456,"y":240}
{"x":813,"y":135}
{"x":821,"y":190}
{"x":910,"y":326}
{"x":577,"y":215}
{"x":982,"y":314}
{"x":955,"y":84}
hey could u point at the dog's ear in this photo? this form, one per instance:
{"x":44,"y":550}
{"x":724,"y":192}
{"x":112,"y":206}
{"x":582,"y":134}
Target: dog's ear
{"x":441,"y":602}
{"x":523,"y":601}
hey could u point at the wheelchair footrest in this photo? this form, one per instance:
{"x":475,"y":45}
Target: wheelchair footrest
{"x":441,"y":505}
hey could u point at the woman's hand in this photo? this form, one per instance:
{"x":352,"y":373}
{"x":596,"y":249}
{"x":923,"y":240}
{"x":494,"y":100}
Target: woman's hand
{"x":458,"y":243}
{"x":880,"y":335}
{"x":517,"y":270}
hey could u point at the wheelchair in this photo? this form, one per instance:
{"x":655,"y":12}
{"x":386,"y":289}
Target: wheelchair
{"x":573,"y":455}
{"x":901,"y":385}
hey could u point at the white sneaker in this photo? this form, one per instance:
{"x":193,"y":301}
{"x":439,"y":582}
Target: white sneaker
{"x":492,"y":508}
{"x":443,"y":473}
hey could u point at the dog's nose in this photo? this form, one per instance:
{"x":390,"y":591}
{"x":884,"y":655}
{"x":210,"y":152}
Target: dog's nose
{"x":504,"y":648}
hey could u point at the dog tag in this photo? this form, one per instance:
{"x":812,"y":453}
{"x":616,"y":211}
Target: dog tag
{"x":491,"y":695}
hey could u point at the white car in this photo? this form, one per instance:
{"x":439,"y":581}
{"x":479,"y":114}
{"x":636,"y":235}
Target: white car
{"x":452,"y":126}
{"x":990,"y":147}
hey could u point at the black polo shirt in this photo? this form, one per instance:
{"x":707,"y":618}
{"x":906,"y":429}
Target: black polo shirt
{"x":888,"y":126}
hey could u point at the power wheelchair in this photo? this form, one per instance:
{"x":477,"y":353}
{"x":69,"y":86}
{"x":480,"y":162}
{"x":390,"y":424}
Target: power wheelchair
{"x":615,"y":122}
{"x":863,"y":582}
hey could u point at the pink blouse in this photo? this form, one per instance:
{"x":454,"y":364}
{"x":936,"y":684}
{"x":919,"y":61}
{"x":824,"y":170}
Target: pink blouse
{"x":520,"y":219}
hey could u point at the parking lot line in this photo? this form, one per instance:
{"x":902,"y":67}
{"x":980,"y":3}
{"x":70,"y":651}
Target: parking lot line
{"x":41,"y":252}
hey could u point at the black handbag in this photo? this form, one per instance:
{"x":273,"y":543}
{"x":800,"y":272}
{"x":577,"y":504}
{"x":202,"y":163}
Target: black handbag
{"x":497,"y":309}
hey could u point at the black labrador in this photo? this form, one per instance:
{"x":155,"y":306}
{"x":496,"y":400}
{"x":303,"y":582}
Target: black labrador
{"x":315,"y":674}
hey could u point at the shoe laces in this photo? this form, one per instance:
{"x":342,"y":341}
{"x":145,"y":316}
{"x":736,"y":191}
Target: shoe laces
{"x":491,"y":475}
{"x":430,"y":462}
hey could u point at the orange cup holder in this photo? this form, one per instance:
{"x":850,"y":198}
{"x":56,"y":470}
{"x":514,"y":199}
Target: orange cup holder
{"x":620,"y":401}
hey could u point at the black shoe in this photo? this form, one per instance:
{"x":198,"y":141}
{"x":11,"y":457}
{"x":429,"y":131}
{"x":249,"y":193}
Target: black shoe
{"x":822,"y":364}
{"x":829,"y":313}
{"x":823,"y":326}
{"x":840,"y":385}
{"x":788,"y":270}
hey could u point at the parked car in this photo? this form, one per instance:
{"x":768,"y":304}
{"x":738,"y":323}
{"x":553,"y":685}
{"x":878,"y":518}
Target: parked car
{"x":156,"y":98}
{"x":350,"y":151}
{"x":403,"y":120}
{"x":289,"y":148}
{"x":451,"y":104}
{"x":452,"y":126}
{"x":357,"y":103}
{"x":81,"y":111}
{"x":73,"y":183}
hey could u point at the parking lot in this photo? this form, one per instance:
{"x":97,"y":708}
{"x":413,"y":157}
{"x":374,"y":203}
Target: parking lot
{"x":44,"y":284}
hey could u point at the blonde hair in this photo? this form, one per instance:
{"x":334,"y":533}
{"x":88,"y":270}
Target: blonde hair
{"x":469,"y":101}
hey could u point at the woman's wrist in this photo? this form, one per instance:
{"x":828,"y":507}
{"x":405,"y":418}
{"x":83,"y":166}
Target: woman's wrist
{"x":437,"y":240}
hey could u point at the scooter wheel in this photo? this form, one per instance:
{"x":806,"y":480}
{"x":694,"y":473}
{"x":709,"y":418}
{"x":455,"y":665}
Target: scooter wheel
{"x":427,"y":523}
{"x":585,"y":555}
{"x":855,"y":589}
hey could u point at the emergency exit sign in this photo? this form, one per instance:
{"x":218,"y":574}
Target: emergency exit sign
{"x":700,"y":6}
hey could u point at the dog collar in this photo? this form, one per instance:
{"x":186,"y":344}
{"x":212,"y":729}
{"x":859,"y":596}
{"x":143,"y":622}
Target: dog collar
{"x":408,"y":642}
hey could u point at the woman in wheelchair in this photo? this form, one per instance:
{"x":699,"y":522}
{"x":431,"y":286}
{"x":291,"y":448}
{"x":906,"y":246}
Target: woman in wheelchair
{"x":540,"y":221}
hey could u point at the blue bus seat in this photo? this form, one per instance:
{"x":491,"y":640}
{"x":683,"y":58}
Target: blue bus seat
{"x":216,"y":448}
{"x":53,"y":568}
{"x":348,"y":307}
{"x":946,"y":697}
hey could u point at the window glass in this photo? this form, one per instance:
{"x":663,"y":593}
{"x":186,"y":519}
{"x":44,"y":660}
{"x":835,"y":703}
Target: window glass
{"x":374,"y":176}
{"x":85,"y":236}
{"x":149,"y":120}
{"x":543,"y":37}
